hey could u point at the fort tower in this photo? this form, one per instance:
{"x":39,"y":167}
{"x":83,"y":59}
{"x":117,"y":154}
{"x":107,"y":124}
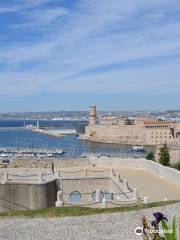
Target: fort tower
{"x":92,"y":115}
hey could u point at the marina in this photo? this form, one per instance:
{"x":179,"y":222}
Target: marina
{"x":14,"y":153}
{"x":35,"y":144}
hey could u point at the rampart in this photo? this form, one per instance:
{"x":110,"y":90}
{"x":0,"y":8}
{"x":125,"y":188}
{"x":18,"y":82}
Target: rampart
{"x":24,"y":196}
{"x":90,"y":175}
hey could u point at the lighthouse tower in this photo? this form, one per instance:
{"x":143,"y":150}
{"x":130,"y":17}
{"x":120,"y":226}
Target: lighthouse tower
{"x":92,"y":115}
{"x":37,"y":125}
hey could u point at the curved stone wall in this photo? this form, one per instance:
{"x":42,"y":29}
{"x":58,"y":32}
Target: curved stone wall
{"x":157,"y":168}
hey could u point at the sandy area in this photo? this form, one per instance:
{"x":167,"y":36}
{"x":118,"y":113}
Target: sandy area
{"x":150,"y":184}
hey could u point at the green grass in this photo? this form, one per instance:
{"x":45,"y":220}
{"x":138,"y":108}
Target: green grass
{"x":79,"y":211}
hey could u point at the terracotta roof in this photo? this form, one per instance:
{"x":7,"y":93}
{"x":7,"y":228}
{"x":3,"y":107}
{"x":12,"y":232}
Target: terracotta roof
{"x":156,"y":122}
{"x":148,"y":121}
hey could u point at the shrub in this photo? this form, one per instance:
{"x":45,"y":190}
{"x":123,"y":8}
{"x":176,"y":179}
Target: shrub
{"x":150,"y":156}
{"x":164,"y":158}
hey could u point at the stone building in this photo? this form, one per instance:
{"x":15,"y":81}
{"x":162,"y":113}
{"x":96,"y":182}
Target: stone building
{"x":141,"y":131}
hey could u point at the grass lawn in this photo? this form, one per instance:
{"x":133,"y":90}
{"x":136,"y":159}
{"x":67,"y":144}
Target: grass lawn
{"x":79,"y":211}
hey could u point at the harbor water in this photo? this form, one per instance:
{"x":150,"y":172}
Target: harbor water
{"x":14,"y":135}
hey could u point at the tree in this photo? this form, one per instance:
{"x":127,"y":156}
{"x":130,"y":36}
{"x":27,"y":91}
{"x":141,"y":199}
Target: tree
{"x":164,"y":158}
{"x":150,"y":156}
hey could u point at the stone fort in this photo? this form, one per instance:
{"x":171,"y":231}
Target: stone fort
{"x":141,"y":131}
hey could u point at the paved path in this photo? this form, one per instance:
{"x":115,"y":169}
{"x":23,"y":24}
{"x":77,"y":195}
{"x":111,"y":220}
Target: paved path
{"x":99,"y":227}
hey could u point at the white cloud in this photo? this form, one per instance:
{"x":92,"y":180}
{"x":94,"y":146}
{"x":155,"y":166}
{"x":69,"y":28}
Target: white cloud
{"x":156,"y":79}
{"x":95,"y":34}
{"x":42,"y":18}
{"x":8,"y":9}
{"x":48,"y":15}
{"x":20,"y":5}
{"x":160,"y":79}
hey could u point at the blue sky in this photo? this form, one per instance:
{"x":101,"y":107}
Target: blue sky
{"x":67,"y":54}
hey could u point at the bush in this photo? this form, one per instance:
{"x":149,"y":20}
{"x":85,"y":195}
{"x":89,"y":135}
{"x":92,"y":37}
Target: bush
{"x":164,"y":158}
{"x":150,"y":156}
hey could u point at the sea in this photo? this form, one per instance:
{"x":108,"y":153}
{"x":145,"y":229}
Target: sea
{"x":13,"y":134}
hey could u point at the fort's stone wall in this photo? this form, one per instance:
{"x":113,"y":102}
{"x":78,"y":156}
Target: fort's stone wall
{"x":139,"y":131}
{"x":87,"y":186}
{"x":114,"y":134}
{"x":104,"y":161}
{"x":47,"y":163}
{"x":30,"y":163}
{"x":23,"y":196}
{"x":74,"y":162}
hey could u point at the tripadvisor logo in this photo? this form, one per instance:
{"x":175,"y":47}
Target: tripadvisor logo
{"x":158,"y":228}
{"x":139,"y":231}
